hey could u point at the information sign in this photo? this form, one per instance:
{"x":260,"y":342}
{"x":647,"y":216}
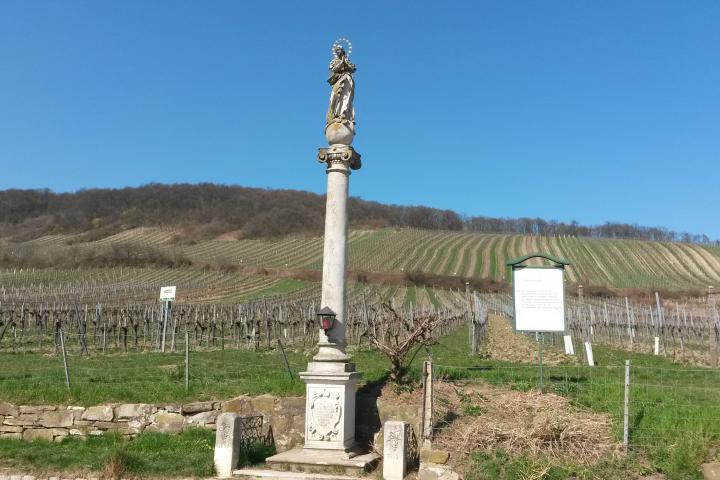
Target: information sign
{"x":539,"y":296}
{"x":167,"y":294}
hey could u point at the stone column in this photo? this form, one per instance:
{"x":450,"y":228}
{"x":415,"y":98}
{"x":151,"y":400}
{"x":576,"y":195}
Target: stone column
{"x":330,"y":378}
{"x":339,"y":159}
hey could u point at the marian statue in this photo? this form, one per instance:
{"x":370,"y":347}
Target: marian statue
{"x":340,"y":119}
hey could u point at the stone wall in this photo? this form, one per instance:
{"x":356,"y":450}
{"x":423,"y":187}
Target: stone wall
{"x":53,"y":422}
{"x":285,"y":415}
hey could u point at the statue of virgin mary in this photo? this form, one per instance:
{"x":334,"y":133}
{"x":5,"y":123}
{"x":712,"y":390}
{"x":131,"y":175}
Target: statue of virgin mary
{"x":340,"y":119}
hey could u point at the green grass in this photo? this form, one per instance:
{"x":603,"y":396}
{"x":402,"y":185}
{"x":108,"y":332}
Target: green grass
{"x":674,"y":409}
{"x":152,"y":377}
{"x":501,"y":466}
{"x":186,"y":454}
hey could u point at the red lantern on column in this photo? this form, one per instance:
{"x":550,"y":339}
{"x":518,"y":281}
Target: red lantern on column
{"x":327,"y":318}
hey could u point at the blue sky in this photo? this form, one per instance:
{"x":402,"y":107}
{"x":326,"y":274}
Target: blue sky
{"x":588,"y":111}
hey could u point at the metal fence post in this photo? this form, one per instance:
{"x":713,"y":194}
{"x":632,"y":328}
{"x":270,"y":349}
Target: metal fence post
{"x":626,"y":415}
{"x":64,"y":355}
{"x":187,"y":360}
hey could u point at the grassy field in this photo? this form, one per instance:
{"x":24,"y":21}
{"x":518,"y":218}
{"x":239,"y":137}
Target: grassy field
{"x":187,"y":454}
{"x":674,"y":412}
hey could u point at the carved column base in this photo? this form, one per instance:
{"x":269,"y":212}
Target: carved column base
{"x":330,"y":405}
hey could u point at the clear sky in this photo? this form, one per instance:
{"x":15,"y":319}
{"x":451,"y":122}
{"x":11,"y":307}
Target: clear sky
{"x":568,"y":110}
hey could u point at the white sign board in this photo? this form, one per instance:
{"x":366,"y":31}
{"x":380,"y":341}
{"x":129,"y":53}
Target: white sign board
{"x":539,"y":299}
{"x":167,"y":294}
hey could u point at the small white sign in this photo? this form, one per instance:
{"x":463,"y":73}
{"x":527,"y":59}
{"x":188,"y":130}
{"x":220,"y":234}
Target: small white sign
{"x":569,"y":347}
{"x":539,"y":299}
{"x":657,"y":345}
{"x":167,"y":294}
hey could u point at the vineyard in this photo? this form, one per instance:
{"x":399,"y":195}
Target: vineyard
{"x":599,"y":262}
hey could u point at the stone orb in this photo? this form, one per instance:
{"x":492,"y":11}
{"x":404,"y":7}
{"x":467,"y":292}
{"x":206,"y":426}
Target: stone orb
{"x":339,"y":134}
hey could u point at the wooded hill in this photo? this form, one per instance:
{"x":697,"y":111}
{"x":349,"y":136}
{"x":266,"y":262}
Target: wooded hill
{"x":204,"y":211}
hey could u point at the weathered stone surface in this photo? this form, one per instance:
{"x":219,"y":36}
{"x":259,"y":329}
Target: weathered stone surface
{"x":433,"y":471}
{"x":237,"y":405}
{"x":24,"y":421}
{"x":227,"y":447}
{"x":62,"y":418}
{"x":395,"y":449}
{"x":132,"y":410}
{"x":9,"y":429}
{"x":172,"y":408}
{"x":428,"y":455}
{"x":37,"y":408}
{"x":167,"y":423}
{"x":135,"y":426}
{"x":110,"y":425}
{"x":711,"y":471}
{"x":13,"y":436}
{"x":264,"y":403}
{"x":202,"y":419}
{"x":59,"y":434}
{"x":38,"y":434}
{"x":9,"y":409}
{"x":197,"y":407}
{"x":76,"y":432}
{"x":102,"y":413}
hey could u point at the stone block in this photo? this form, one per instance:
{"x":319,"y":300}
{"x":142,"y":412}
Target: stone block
{"x":165,"y":422}
{"x":397,"y":436}
{"x":76,"y":432}
{"x":197,"y":407}
{"x":172,"y":408}
{"x":59,"y":434}
{"x":132,"y":410}
{"x":62,"y":418}
{"x":428,"y":455}
{"x":10,"y":429}
{"x":37,"y":408}
{"x":13,"y":436}
{"x":202,"y":419}
{"x":9,"y":409}
{"x":135,"y":426}
{"x":264,"y":403}
{"x":23,"y":421}
{"x":103,"y":413}
{"x":227,"y":445}
{"x":31,"y":434}
{"x":109,"y":425}
{"x":237,"y":405}
{"x":433,"y":471}
{"x":711,"y":471}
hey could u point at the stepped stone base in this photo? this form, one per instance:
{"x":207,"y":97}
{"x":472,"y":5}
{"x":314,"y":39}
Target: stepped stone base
{"x":336,"y":462}
{"x":257,"y":474}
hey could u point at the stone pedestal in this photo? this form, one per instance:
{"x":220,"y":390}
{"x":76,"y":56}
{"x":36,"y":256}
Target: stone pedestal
{"x":330,"y":405}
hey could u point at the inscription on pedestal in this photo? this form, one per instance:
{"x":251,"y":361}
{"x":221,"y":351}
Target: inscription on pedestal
{"x":325,"y":414}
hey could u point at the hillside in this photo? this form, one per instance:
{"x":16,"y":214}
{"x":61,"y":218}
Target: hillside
{"x":204,"y":211}
{"x":600,"y":262}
